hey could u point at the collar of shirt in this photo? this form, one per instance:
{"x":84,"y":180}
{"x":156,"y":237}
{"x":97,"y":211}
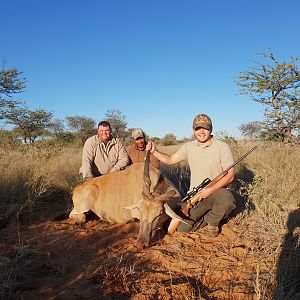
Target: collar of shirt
{"x":111,"y":142}
{"x":206,"y":144}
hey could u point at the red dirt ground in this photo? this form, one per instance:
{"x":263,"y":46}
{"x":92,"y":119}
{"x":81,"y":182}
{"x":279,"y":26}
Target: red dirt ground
{"x":99,"y":261}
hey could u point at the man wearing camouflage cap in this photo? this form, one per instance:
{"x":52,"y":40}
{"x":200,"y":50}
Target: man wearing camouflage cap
{"x":207,"y":158}
{"x":137,"y":151}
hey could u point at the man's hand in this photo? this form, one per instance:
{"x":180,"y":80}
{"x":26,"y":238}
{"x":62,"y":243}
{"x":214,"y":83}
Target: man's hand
{"x":203,"y":194}
{"x":150,"y":147}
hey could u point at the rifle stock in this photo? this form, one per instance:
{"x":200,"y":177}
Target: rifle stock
{"x":175,"y":222}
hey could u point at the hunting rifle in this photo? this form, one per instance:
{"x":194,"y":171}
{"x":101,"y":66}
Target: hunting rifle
{"x":176,"y":219}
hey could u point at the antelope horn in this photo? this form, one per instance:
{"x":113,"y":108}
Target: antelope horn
{"x":171,"y":213}
{"x":147,"y":181}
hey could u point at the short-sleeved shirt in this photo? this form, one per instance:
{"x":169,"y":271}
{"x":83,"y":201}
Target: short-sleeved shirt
{"x":136,"y":155}
{"x":206,"y":162}
{"x":99,"y":159}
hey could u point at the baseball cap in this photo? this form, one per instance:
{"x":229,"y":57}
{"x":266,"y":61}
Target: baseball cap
{"x":137,"y":133}
{"x":202,"y":120}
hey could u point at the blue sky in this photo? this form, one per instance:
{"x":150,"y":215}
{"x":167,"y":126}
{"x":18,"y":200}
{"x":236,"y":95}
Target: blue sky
{"x":160,"y":62}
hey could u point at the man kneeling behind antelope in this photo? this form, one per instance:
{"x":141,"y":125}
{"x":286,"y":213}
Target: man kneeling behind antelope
{"x":125,"y":195}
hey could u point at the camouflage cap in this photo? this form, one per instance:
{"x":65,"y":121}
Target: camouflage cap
{"x":137,"y":133}
{"x":202,"y":120}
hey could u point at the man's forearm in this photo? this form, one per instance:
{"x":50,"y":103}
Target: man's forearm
{"x":123,"y":159}
{"x":223,"y":182}
{"x":164,"y":158}
{"x":86,"y":171}
{"x":210,"y":189}
{"x":121,"y":163}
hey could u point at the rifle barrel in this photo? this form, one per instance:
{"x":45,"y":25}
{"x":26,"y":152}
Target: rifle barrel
{"x":207,"y":181}
{"x":235,"y":163}
{"x":175,"y":222}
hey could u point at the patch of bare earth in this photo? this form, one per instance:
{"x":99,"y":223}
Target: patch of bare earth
{"x":99,"y":261}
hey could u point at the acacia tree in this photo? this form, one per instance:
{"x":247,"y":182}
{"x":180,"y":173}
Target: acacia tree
{"x":83,"y":127}
{"x":58,"y":131}
{"x":117,"y":120}
{"x":10,"y":83}
{"x":252,"y":129}
{"x":169,"y":139}
{"x":28,"y":124}
{"x":277,"y":86}
{"x":56,"y":127}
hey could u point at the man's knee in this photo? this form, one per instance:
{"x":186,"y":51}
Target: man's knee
{"x":229,"y":204}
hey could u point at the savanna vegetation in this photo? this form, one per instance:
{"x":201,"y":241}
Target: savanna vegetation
{"x":36,"y":184}
{"x":274,"y":84}
{"x":257,"y":255}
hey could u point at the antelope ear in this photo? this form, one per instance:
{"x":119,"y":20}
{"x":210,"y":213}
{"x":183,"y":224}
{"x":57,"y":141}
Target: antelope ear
{"x":164,"y":197}
{"x":172,"y":214}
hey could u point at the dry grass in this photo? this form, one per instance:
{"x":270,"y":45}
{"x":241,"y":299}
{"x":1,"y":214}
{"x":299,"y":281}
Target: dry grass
{"x":13,"y":273}
{"x":267,"y":188}
{"x":31,"y":174}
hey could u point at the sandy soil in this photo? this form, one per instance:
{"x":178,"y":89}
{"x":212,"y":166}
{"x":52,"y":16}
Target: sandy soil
{"x":98,"y":260}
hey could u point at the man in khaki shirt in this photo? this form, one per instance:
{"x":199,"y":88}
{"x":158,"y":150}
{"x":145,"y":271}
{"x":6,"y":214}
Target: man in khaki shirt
{"x":207,"y":158}
{"x":102,"y":153}
{"x":137,"y":151}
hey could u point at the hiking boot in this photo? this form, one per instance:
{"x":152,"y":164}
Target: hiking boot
{"x":201,"y":223}
{"x":213,"y":231}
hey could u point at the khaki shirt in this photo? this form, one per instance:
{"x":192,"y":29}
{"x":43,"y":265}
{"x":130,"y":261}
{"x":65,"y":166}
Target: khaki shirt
{"x":99,"y":159}
{"x":136,"y":155}
{"x":206,"y":162}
